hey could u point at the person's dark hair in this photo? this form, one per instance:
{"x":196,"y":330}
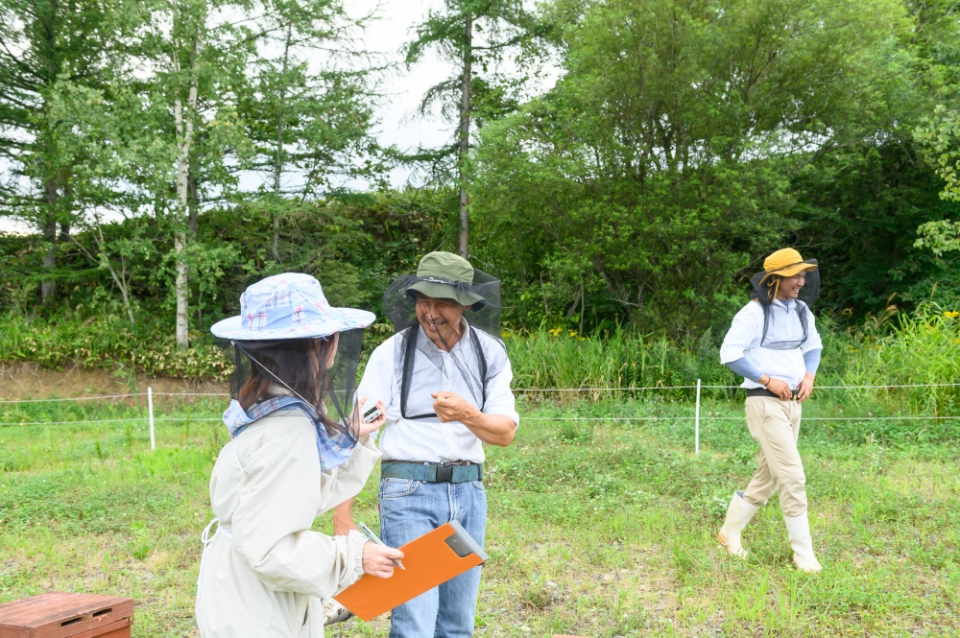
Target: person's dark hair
{"x":301,"y":363}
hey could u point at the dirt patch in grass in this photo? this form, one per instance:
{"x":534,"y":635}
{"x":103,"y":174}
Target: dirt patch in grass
{"x":20,"y":381}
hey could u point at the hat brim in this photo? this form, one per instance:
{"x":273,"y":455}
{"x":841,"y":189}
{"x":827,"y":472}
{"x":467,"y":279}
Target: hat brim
{"x":438,"y":290}
{"x":793,"y":269}
{"x":339,"y":320}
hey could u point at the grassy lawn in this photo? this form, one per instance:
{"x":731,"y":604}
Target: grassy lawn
{"x":597,"y":528}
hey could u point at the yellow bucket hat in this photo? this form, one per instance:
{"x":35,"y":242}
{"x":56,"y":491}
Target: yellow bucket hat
{"x":786,"y":262}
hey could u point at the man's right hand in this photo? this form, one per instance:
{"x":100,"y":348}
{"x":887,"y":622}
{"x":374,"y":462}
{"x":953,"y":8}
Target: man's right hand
{"x":780,"y":388}
{"x":378,"y":560}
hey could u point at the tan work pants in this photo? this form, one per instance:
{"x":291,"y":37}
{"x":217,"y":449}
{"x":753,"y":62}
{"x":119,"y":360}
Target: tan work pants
{"x":775,"y":425}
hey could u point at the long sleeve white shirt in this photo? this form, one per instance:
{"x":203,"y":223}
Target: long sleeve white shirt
{"x":429,"y":440}
{"x":743,"y":340}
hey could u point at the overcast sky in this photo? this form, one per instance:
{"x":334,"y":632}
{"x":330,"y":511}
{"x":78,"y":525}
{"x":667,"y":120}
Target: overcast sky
{"x":400,"y":124}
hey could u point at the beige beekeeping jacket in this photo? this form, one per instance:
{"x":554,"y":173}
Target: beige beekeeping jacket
{"x":264,"y":572}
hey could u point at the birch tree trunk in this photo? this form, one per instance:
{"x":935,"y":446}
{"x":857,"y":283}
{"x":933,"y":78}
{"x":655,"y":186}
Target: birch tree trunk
{"x":464,"y":144}
{"x":278,"y":165}
{"x":184,"y":124}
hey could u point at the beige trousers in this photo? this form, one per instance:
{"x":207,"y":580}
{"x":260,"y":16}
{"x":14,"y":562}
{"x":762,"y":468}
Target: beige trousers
{"x":775,"y":425}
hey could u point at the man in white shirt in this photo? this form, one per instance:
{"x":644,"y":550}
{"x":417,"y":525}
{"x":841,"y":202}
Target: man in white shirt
{"x":446,"y":387}
{"x":773,"y":343}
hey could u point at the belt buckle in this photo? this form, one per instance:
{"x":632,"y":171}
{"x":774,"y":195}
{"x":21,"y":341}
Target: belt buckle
{"x":445,"y":472}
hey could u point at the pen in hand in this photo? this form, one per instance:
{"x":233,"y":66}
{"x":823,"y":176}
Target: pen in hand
{"x":376,"y":539}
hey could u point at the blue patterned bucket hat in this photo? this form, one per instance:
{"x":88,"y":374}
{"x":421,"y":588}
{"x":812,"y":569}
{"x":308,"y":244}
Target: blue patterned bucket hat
{"x":288,"y":306}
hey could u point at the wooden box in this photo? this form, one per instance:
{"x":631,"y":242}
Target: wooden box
{"x":66,"y":615}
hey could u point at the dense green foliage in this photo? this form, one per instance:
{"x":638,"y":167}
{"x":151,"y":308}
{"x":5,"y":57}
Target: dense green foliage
{"x":898,"y":350}
{"x":681,"y":143}
{"x":110,"y":342}
{"x":686,"y":140}
{"x":355,"y":245}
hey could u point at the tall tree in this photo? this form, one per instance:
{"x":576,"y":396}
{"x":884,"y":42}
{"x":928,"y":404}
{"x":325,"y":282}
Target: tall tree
{"x":106,"y":131}
{"x":189,"y":26}
{"x":473,"y":35}
{"x":309,"y":106}
{"x":201,"y":61}
{"x":862,"y":201}
{"x":43,"y":42}
{"x":660,"y":164}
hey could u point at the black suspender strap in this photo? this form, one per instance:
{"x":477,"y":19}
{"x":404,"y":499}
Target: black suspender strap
{"x":410,"y":352}
{"x":482,"y":360}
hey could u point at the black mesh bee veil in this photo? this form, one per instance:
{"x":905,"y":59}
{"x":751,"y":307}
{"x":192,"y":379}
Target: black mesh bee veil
{"x":428,"y":363}
{"x":320,"y":372}
{"x":400,"y":301}
{"x":775,"y":317}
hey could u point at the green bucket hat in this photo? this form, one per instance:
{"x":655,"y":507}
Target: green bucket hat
{"x":443,"y":275}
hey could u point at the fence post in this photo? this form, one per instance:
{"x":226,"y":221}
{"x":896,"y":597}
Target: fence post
{"x":153,"y":439}
{"x":696,"y":424}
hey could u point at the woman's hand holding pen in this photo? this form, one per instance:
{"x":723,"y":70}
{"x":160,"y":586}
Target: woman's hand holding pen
{"x":378,"y":560}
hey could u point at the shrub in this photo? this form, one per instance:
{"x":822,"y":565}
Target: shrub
{"x":105,"y":340}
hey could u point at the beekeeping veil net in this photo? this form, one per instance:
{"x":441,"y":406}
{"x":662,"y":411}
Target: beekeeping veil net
{"x":318,"y":375}
{"x":464,"y":366}
{"x":785,"y":328}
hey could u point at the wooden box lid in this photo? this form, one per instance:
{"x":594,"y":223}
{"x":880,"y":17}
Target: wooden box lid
{"x":61,"y":615}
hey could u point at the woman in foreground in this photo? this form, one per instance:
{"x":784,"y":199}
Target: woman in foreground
{"x":299,"y":448}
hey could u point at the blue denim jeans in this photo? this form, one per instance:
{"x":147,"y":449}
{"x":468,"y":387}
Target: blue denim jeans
{"x":410,"y":509}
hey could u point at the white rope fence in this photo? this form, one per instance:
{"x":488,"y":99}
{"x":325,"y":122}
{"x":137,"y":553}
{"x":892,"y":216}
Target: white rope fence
{"x":733,"y":418}
{"x":732,"y":387}
{"x":696,"y":417}
{"x":100,"y":398}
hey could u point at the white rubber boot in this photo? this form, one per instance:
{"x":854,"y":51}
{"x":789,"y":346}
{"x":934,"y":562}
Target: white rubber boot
{"x":738,"y":515}
{"x":798,"y":527}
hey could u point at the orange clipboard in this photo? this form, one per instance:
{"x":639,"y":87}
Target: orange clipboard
{"x":431,"y":560}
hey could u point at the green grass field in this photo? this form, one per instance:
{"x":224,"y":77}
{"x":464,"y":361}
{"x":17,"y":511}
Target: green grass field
{"x":597,"y":528}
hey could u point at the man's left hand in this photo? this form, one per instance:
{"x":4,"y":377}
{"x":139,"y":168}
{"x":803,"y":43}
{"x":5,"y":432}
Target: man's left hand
{"x":805,"y":388}
{"x":450,"y":406}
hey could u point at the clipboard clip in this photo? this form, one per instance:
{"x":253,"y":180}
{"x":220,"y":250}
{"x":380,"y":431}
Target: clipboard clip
{"x":463,"y":544}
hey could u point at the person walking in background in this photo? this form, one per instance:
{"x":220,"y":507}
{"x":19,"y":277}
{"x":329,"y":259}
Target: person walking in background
{"x":446,"y":384}
{"x":298,"y":449}
{"x":774,"y":345}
